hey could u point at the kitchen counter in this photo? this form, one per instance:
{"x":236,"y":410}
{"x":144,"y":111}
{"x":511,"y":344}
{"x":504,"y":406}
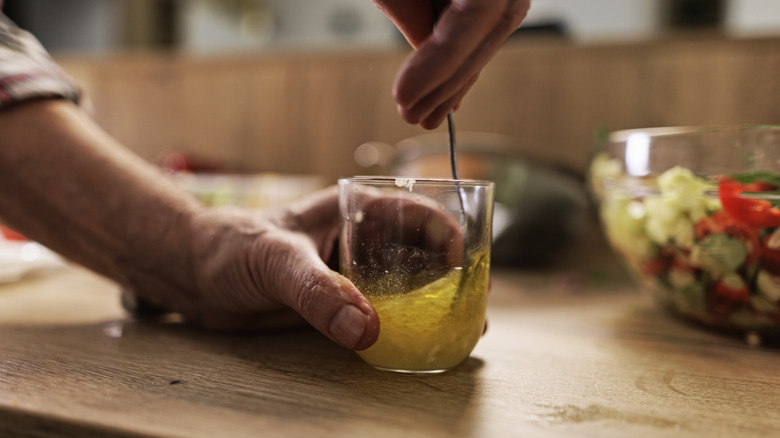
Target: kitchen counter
{"x":573,"y":351}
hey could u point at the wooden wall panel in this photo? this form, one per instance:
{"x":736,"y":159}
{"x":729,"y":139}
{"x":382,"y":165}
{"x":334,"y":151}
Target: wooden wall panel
{"x":705,"y":83}
{"x":275,"y":143}
{"x":214,"y":110}
{"x":340,"y":99}
{"x":306,"y":113}
{"x":136,"y":100}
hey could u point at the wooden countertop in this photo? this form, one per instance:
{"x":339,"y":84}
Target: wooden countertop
{"x":575,"y":352}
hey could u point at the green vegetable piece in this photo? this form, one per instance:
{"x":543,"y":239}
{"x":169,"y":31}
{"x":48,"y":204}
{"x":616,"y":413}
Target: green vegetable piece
{"x":757,"y":176}
{"x":719,"y":254}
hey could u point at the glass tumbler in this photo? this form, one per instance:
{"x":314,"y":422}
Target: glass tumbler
{"x":419,"y":250}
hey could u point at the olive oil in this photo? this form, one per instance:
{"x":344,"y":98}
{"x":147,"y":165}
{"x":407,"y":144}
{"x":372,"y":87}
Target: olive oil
{"x":432,"y":328}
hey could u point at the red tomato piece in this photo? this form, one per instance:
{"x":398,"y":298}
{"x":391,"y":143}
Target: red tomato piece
{"x":723,"y":299}
{"x":754,"y":212}
{"x":656,"y":266}
{"x":739,"y":294}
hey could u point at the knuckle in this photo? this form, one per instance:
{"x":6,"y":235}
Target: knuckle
{"x":311,"y":295}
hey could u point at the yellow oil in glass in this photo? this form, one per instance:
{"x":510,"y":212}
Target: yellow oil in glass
{"x":432,"y":328}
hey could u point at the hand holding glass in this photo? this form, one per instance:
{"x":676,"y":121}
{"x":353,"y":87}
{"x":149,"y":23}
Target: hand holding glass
{"x":419,"y":250}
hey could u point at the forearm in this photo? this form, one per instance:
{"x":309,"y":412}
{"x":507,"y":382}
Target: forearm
{"x":67,"y":184}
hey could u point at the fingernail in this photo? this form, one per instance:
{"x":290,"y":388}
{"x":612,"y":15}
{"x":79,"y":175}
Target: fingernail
{"x":347,"y":326}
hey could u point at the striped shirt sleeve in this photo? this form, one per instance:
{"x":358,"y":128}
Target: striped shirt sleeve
{"x":27,"y":71}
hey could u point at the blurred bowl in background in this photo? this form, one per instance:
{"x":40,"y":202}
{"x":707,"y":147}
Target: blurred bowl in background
{"x":216,"y":183}
{"x":693,"y":213}
{"x":251,"y":191}
{"x":541,"y":207}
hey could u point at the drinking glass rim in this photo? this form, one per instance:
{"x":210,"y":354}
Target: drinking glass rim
{"x":400,"y":181}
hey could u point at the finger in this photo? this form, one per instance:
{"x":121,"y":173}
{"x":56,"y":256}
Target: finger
{"x":299,"y":278}
{"x":436,"y":118}
{"x":456,"y":82}
{"x":439,"y":69}
{"x":458,"y":34}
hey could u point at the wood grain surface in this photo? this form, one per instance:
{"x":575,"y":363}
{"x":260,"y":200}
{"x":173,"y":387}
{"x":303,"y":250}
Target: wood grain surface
{"x":571,"y":351}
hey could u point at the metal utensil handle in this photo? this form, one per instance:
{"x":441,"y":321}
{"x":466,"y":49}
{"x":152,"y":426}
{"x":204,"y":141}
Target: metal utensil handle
{"x":453,"y":155}
{"x":437,"y":9}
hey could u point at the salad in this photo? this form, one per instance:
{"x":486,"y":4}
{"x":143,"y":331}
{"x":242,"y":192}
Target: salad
{"x":706,"y":247}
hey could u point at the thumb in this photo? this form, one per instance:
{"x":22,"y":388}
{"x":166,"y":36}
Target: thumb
{"x":326,"y":299}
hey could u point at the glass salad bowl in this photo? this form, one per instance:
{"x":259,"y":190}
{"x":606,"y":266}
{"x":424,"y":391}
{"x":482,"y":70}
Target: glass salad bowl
{"x":694,"y":213}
